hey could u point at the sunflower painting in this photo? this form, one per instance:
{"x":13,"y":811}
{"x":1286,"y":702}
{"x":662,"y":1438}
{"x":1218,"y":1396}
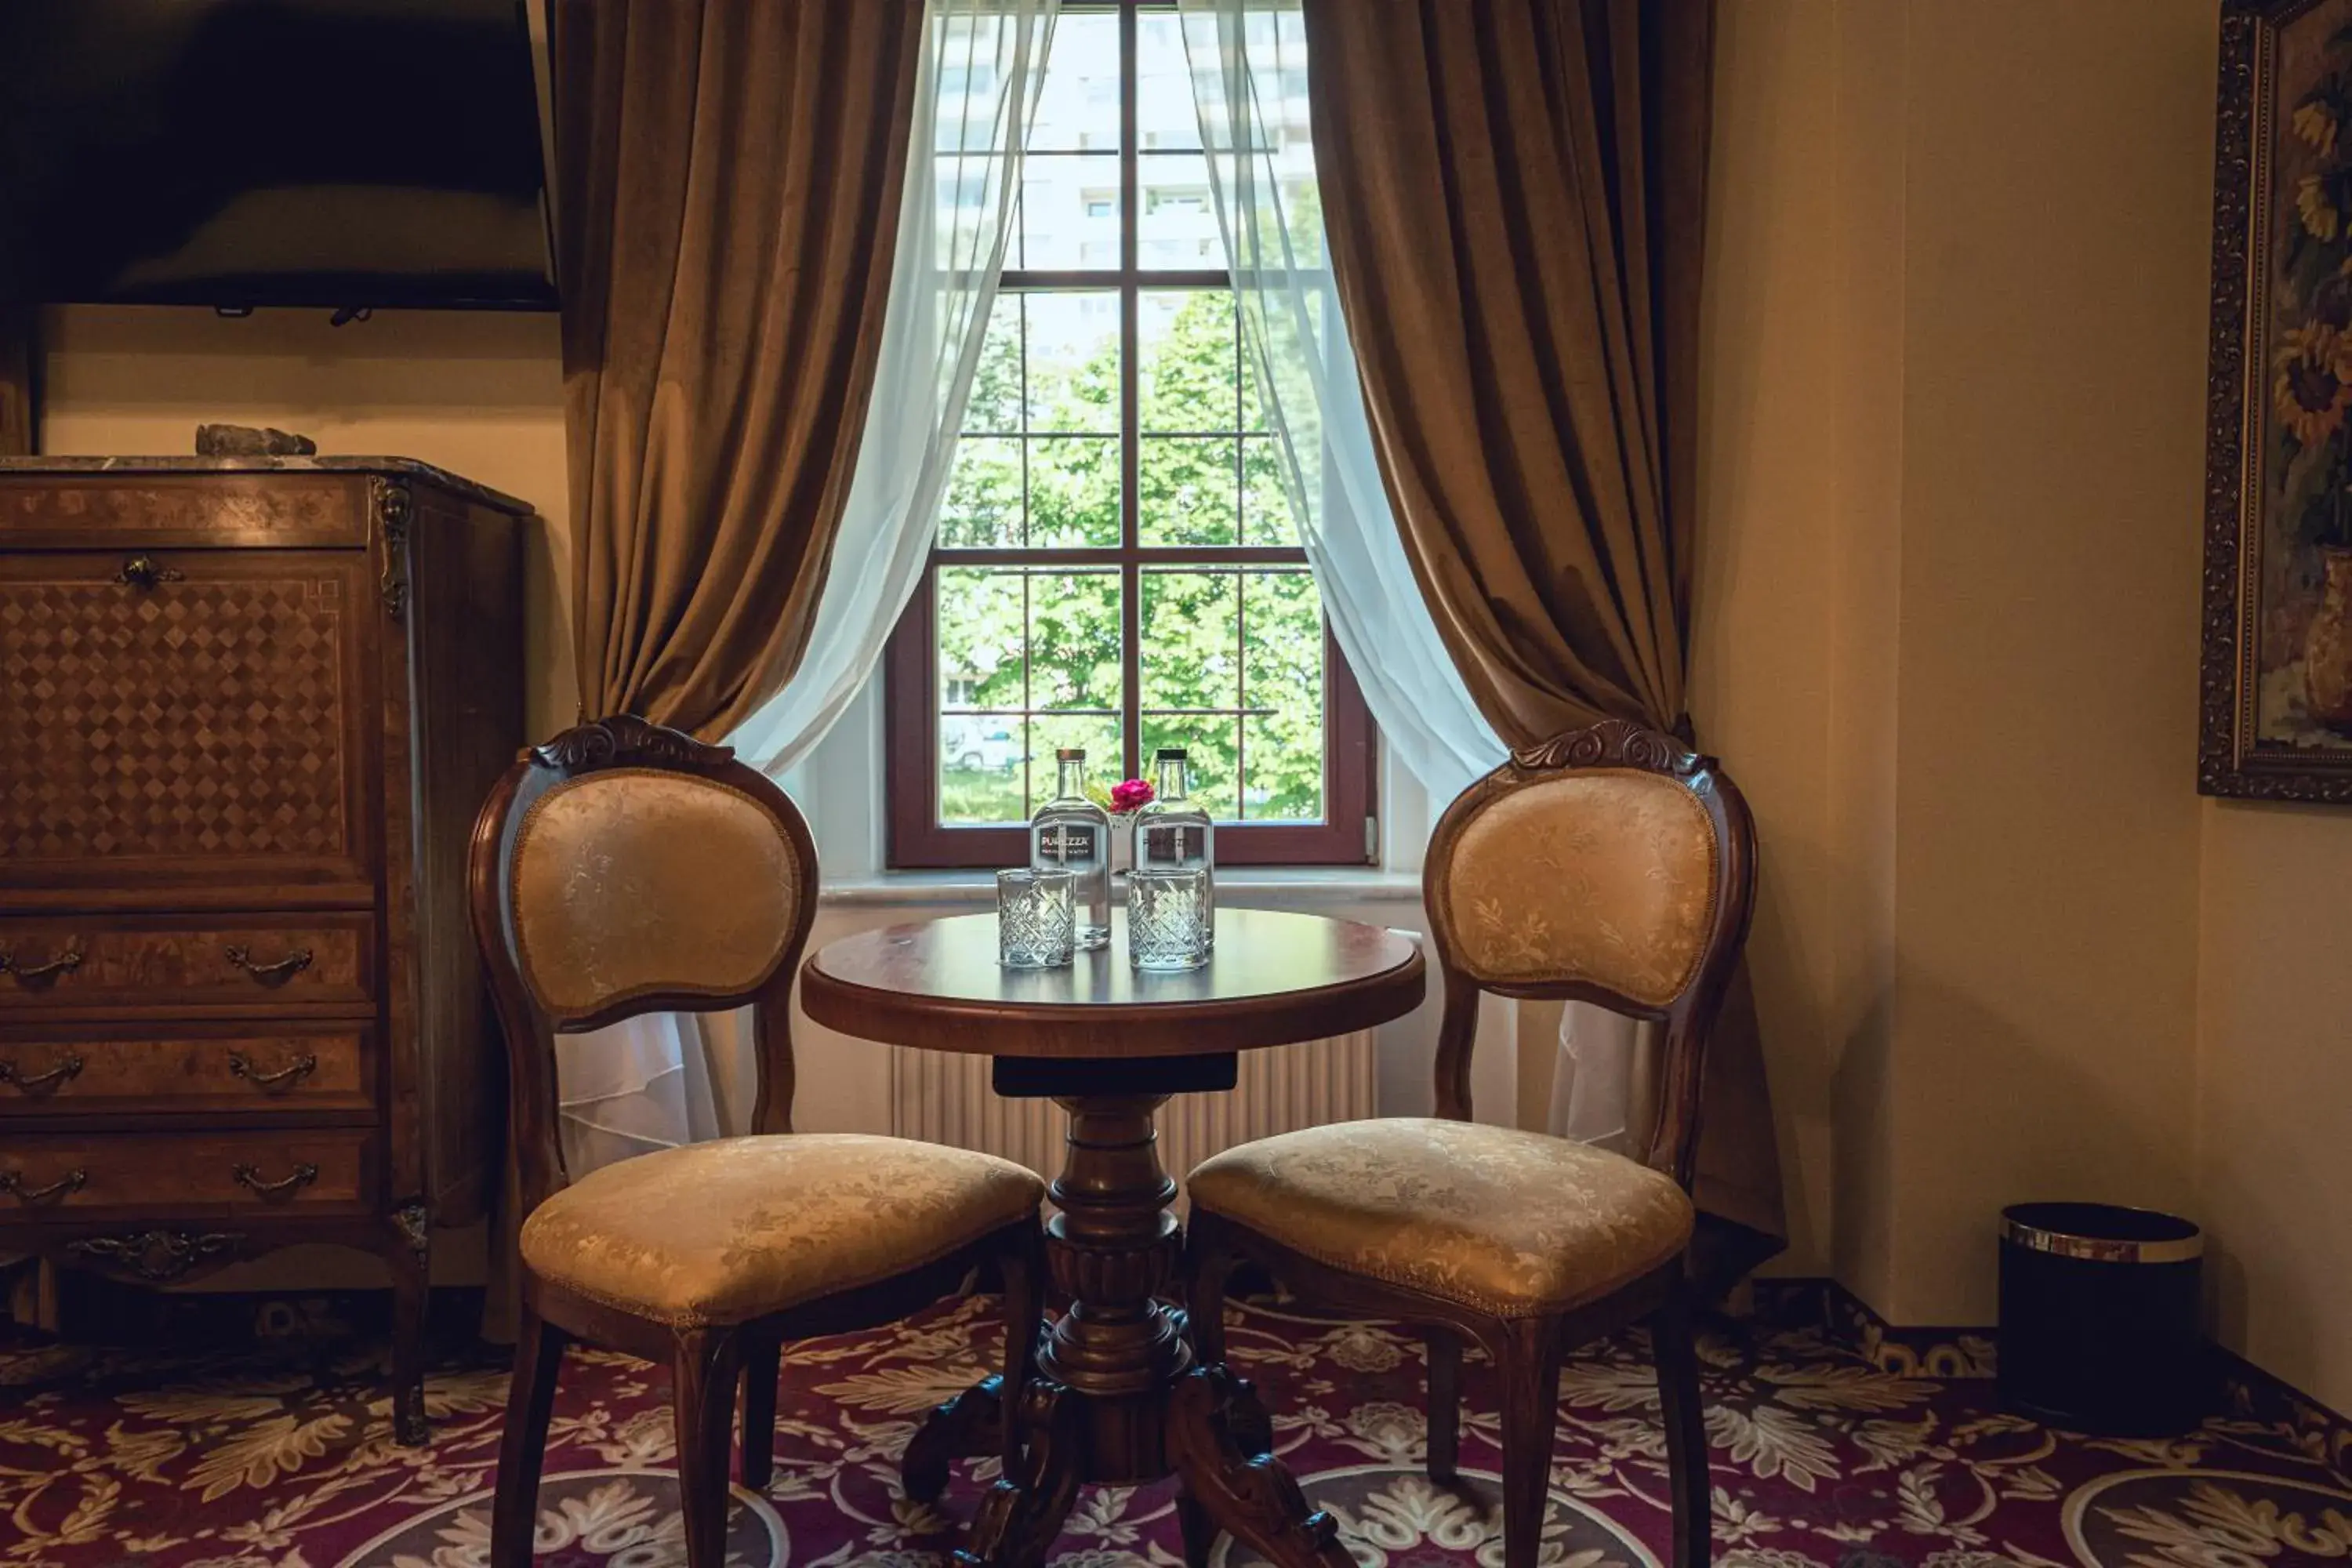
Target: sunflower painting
{"x":2278,"y":613}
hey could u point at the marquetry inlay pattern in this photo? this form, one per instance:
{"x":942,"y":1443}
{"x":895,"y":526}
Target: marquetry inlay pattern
{"x":200,"y":718}
{"x":276,"y":511}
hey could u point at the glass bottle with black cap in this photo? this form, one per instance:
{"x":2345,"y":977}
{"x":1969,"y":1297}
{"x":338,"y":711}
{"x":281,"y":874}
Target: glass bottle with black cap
{"x":1173,"y":833}
{"x":1071,"y":833}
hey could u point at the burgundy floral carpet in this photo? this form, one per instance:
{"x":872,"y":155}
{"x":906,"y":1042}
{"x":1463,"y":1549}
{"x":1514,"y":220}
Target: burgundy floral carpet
{"x":113,"y":1457}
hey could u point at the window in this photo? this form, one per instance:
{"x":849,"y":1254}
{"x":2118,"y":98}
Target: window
{"x":1165,"y":200}
{"x":1117,"y":566}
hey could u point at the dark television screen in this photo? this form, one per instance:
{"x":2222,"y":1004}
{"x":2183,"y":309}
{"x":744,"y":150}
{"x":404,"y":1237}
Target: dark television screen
{"x":236,"y":153}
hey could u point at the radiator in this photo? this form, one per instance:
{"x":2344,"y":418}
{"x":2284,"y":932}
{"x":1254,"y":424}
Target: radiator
{"x":942,"y":1097}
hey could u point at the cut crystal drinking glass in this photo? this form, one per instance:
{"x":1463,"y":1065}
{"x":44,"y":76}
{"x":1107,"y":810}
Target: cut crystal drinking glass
{"x":1167,"y":924}
{"x":1035,"y":918}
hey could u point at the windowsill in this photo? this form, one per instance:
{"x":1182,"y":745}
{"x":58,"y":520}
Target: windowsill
{"x":1239,"y":885}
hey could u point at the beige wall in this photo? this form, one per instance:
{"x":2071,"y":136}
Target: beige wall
{"x":481,"y":393}
{"x":1760,"y":658}
{"x":1948,"y":604}
{"x":1947,"y":642}
{"x":2274,"y":1088}
{"x":2058,"y":192}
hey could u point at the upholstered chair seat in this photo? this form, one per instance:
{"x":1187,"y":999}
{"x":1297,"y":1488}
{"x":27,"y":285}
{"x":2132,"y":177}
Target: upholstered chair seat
{"x":724,"y":1232}
{"x":1509,"y":1223}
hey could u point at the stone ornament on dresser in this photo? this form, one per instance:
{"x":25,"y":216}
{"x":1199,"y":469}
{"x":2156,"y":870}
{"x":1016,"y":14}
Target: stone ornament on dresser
{"x":238,"y":1007}
{"x":246,"y":441}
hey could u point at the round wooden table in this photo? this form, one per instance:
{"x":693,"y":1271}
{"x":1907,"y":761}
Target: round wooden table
{"x":1118,"y":1396}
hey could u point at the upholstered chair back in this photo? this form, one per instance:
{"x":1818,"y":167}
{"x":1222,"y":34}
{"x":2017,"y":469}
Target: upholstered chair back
{"x":1608,"y":865}
{"x":624,"y":868}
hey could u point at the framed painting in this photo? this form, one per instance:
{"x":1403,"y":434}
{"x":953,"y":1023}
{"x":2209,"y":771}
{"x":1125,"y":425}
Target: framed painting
{"x":2277,"y":673}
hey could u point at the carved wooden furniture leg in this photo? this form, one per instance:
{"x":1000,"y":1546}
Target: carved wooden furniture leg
{"x":1197,"y":1528}
{"x":1247,"y":1418}
{"x":408,"y":1256}
{"x":1529,"y":1369}
{"x":1208,"y":1268}
{"x":970,"y":1425}
{"x":1212,"y":1424}
{"x":1115,"y":1397}
{"x":762,"y":1362}
{"x":1022,"y":1514}
{"x":702,"y":1391}
{"x":1024,"y":1268}
{"x":1113,"y":1250}
{"x":973,"y":1423}
{"x":1677,"y":1359}
{"x":531,"y":1399}
{"x":1445,"y":1402}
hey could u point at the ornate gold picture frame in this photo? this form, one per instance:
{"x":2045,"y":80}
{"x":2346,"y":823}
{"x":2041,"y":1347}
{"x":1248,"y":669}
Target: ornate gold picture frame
{"x":2277,"y":668}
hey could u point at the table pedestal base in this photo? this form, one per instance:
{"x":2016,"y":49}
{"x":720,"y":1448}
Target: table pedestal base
{"x":1117,"y":1398}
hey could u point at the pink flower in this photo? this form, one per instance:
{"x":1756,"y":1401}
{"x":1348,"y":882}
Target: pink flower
{"x":1130,"y":795}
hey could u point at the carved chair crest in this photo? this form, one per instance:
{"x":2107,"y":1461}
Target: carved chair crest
{"x":1610,"y":864}
{"x":623,"y":868}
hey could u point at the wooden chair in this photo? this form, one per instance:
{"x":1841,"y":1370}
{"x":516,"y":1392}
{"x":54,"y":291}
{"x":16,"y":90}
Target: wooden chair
{"x":1610,"y":865}
{"x":620,"y":870}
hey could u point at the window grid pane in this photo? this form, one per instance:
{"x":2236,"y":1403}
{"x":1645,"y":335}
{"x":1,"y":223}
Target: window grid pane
{"x":1109,"y":419}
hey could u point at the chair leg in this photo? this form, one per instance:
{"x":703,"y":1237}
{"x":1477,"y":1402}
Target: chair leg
{"x":703,"y":1370}
{"x":1199,"y":1532}
{"x":1208,"y":1265}
{"x":1023,"y":1265}
{"x":762,"y":1362}
{"x":1529,"y":1364}
{"x":1671,"y":1341}
{"x":1445,"y":1402}
{"x":410,"y":1297}
{"x":531,"y":1399}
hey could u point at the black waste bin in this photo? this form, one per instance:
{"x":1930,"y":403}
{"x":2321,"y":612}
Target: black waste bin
{"x":2098,"y":1318}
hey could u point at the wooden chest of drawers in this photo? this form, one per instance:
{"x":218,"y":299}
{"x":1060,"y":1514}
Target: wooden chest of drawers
{"x":248,"y":709}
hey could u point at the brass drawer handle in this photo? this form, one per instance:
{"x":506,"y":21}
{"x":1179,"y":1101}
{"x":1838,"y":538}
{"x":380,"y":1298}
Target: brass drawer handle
{"x":14,"y":1182}
{"x":64,"y":1072}
{"x":284,"y":1078}
{"x":65,"y":962}
{"x":247,"y":1176}
{"x":145,"y":572}
{"x":274,"y":973}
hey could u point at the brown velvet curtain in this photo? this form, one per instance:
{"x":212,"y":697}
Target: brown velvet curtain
{"x":1514,"y":191}
{"x":727,"y":203}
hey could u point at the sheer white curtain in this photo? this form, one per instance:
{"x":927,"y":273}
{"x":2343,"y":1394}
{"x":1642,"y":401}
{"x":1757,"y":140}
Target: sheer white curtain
{"x":1249,"y":67}
{"x":665,"y":1079}
{"x":1248,"y":60}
